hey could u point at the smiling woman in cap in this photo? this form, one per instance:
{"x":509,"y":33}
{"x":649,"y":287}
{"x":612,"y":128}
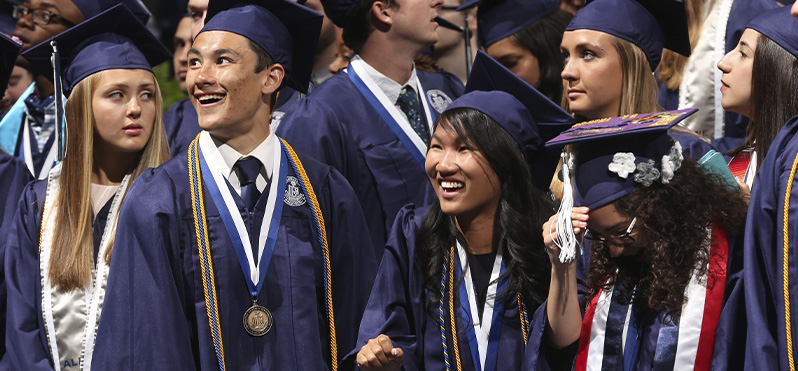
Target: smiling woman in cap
{"x":656,"y":276}
{"x":60,"y":244}
{"x":475,"y":248}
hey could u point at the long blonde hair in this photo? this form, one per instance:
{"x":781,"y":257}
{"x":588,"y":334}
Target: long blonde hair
{"x":72,"y":255}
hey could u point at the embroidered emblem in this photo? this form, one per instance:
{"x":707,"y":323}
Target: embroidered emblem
{"x":293,"y":193}
{"x":439,"y":100}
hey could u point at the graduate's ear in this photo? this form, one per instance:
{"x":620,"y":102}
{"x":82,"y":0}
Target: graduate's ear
{"x":272,"y":77}
{"x":380,"y":14}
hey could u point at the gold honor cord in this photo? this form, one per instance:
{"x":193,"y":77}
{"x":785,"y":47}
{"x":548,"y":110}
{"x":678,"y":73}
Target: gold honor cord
{"x":785,"y":267}
{"x":322,"y":230}
{"x":451,"y":310}
{"x":206,"y":263}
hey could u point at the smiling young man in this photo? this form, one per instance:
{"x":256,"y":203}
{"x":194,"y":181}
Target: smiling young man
{"x":257,"y":258}
{"x":28,"y":131}
{"x":373,"y":123}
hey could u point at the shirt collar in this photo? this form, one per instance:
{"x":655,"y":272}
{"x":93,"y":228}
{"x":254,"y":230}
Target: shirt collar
{"x":391,"y":88}
{"x":263,"y":152}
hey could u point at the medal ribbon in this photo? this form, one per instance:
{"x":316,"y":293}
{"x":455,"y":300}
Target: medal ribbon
{"x":396,"y":120}
{"x":223,"y":199}
{"x":201,"y":231}
{"x":483,"y":336}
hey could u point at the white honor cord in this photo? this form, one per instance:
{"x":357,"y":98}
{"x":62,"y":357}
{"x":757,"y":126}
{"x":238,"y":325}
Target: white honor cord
{"x":565,"y":238}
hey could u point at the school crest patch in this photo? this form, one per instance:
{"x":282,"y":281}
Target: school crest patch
{"x":438,"y":99}
{"x":293,"y":192}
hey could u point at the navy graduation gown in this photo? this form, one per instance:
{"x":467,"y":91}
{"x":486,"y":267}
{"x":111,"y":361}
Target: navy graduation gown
{"x":336,"y":125}
{"x":399,"y":307}
{"x":181,"y":125}
{"x":155,"y":307}
{"x":14,"y":175}
{"x":26,"y":337}
{"x":762,"y":305}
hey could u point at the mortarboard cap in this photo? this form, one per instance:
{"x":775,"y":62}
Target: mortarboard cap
{"x":613,"y":156}
{"x":526,"y":114}
{"x":91,"y":8}
{"x":339,"y":11}
{"x":113,"y":39}
{"x":289,"y":32}
{"x":650,"y":24}
{"x":780,"y":26}
{"x":499,"y":19}
{"x":9,"y":50}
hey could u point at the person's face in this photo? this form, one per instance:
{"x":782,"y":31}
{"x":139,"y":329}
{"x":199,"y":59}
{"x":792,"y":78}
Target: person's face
{"x":593,"y":75}
{"x":230,"y":98}
{"x":449,"y":39}
{"x":414,"y":21}
{"x":794,"y":9}
{"x":32,"y":34}
{"x":182,"y":42}
{"x":197,"y":10}
{"x":342,"y":55}
{"x":738,"y":68}
{"x":19,"y":81}
{"x":572,"y":6}
{"x":517,"y":59}
{"x":123,"y":105}
{"x":463,"y":181}
{"x":605,"y":221}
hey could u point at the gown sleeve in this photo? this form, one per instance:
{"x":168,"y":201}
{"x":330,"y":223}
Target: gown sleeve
{"x":25,"y":343}
{"x":144,"y":324}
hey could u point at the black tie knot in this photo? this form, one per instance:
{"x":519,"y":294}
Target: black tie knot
{"x":248,"y":169}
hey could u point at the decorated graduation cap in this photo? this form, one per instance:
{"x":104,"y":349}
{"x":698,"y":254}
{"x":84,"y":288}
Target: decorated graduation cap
{"x":91,"y":8}
{"x":499,"y":19}
{"x":780,"y":26}
{"x":287,"y":31}
{"x":9,"y":50}
{"x":650,"y":24}
{"x":613,"y":157}
{"x":526,"y":114}
{"x":113,"y":39}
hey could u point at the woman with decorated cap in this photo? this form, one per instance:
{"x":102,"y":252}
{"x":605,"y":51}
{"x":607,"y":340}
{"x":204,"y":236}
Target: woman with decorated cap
{"x":760,"y":82}
{"x":656,"y":276}
{"x":59,"y":247}
{"x":611,"y":48}
{"x":461,"y":280}
{"x":524,"y":36}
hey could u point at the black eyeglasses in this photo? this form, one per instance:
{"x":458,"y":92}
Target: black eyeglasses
{"x":41,"y":16}
{"x":621,"y":239}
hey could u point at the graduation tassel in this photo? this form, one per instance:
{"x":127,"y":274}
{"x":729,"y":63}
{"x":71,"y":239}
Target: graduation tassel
{"x":566,"y":239}
{"x":60,"y":128}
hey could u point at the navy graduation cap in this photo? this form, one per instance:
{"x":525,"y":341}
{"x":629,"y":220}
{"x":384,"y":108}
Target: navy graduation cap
{"x":650,"y":24}
{"x":780,"y":26}
{"x":498,"y":19}
{"x":613,"y":156}
{"x":287,"y":31}
{"x":526,"y":114}
{"x":113,"y":39}
{"x":9,"y":50}
{"x":91,"y":8}
{"x":339,"y":11}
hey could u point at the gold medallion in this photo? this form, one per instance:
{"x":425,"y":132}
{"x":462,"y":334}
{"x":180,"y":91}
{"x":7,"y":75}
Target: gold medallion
{"x":258,"y":320}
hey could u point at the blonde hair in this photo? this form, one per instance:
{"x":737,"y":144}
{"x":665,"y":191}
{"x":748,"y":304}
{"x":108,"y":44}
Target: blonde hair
{"x":671,"y":67}
{"x":72,"y":255}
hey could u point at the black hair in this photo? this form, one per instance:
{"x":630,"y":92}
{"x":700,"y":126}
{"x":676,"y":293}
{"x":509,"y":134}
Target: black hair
{"x":358,"y":27}
{"x":543,"y":39}
{"x":520,"y":214}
